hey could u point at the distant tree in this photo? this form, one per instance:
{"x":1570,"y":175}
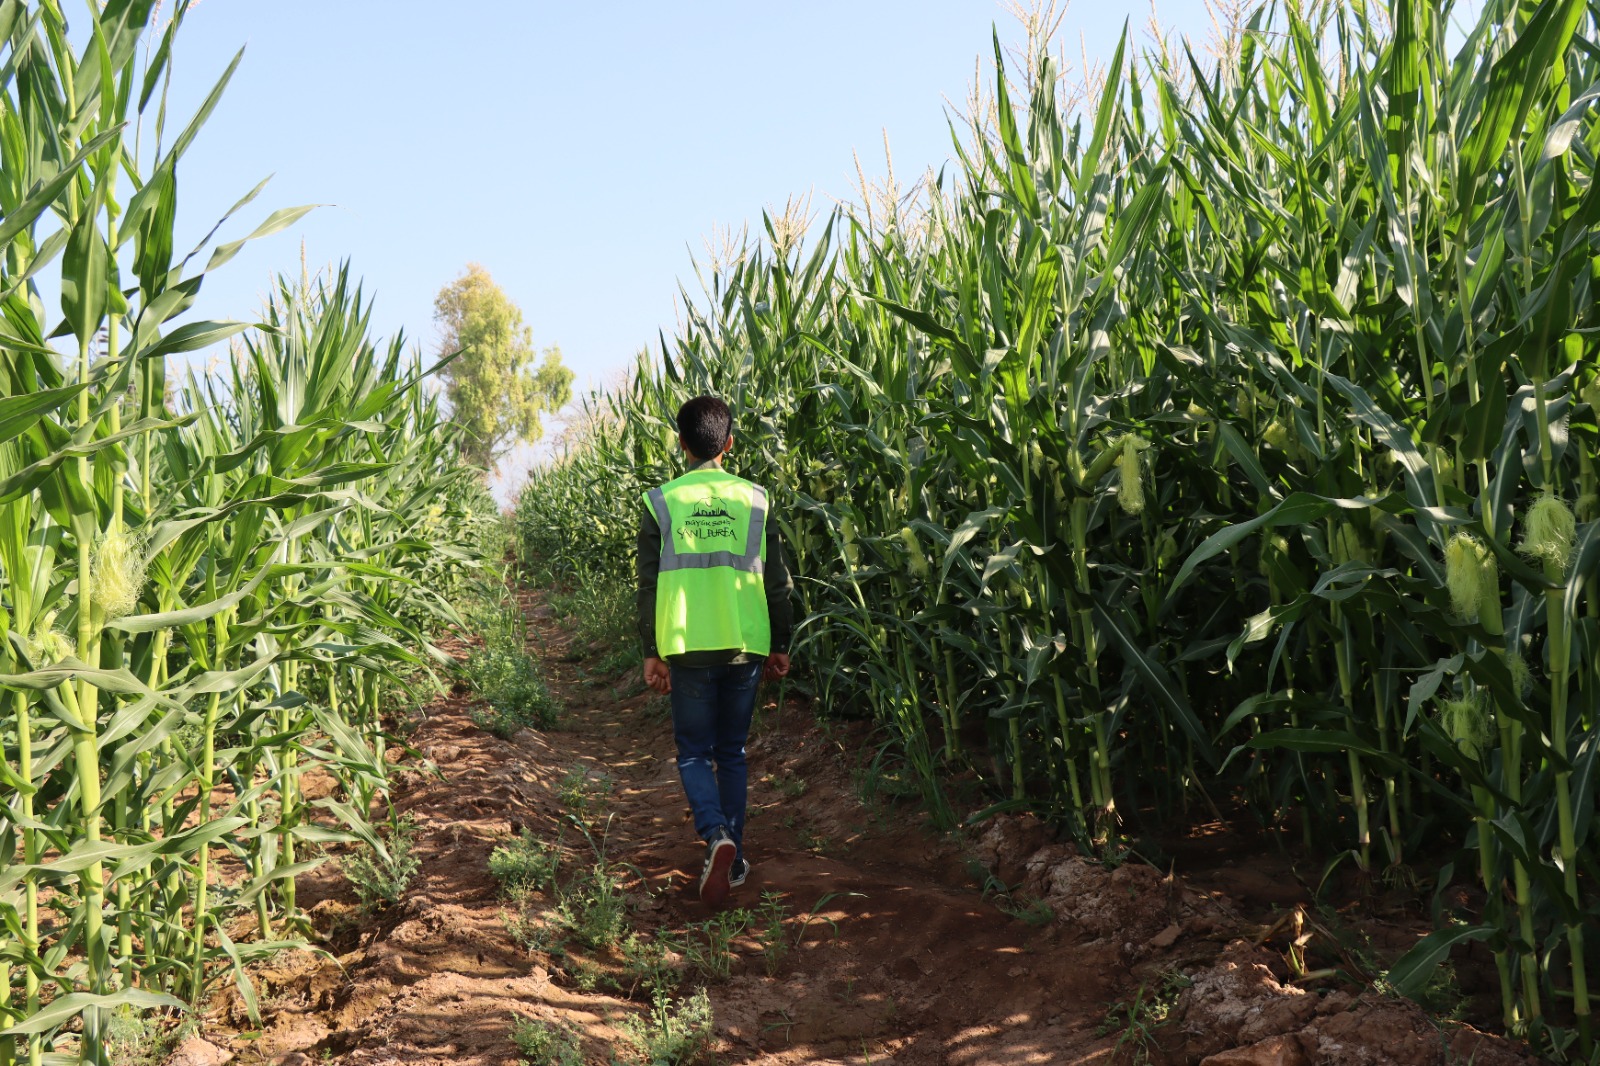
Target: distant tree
{"x":498,"y":387}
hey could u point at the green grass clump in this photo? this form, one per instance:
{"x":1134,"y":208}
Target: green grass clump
{"x":594,"y":907}
{"x":708,"y":945}
{"x":504,"y":674}
{"x":524,"y":864}
{"x":1136,"y":1022}
{"x":647,"y":963}
{"x":509,"y":681}
{"x":380,"y":880}
{"x":673,"y":1032}
{"x":598,"y":606}
{"x":770,"y":931}
{"x":542,"y":1044}
{"x":135,"y":1038}
{"x":583,"y":791}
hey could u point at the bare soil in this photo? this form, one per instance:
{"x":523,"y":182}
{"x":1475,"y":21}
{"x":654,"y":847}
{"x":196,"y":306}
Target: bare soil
{"x":899,"y":956}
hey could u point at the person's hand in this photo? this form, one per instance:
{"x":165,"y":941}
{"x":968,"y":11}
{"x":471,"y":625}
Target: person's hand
{"x":658,"y":676}
{"x":777,"y":666}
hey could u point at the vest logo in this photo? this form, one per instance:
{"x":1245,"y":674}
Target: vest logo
{"x":711,"y":507}
{"x":708,"y":526}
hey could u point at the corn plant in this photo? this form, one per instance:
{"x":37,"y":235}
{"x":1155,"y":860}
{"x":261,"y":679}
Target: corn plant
{"x":205,"y":592}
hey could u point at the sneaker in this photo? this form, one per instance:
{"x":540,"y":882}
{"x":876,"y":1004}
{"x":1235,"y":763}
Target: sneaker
{"x":738,"y":872}
{"x":720,"y":852}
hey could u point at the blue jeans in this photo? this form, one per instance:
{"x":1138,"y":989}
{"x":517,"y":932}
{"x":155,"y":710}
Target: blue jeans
{"x":711,"y":710}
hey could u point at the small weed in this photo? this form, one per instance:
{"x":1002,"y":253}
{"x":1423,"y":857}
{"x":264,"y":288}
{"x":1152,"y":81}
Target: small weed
{"x":1443,"y":997}
{"x":381,"y":879}
{"x":1114,"y":852}
{"x":1136,"y":1023}
{"x":532,"y":935}
{"x":672,"y":1032}
{"x":1353,"y":947}
{"x":591,"y":906}
{"x":987,"y":882}
{"x":646,"y":963}
{"x":517,"y":696}
{"x":543,"y":1044}
{"x":343,"y":929}
{"x":787,"y":784}
{"x":814,"y":842}
{"x":815,"y":914}
{"x":599,"y":608}
{"x":594,"y":907}
{"x":524,"y":864}
{"x":626,"y":657}
{"x":134,"y":1038}
{"x":785,"y":1022}
{"x":1026,"y":909}
{"x":583,"y":790}
{"x":708,"y":947}
{"x":774,"y":939}
{"x":409,"y":717}
{"x":881,"y":780}
{"x":506,"y":677}
{"x":190,"y":736}
{"x":586,"y":976}
{"x":1034,"y":912}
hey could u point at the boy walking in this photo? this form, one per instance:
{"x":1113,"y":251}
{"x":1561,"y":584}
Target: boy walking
{"x":714,"y":618}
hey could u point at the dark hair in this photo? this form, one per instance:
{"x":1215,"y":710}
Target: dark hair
{"x":705,"y":424}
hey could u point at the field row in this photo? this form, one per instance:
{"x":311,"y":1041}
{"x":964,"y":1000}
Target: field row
{"x":1225,"y":441}
{"x":213,"y":586}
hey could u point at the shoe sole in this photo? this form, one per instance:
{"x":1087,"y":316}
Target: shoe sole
{"x":714,"y":884}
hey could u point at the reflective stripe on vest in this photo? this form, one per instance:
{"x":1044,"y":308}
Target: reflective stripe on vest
{"x":749,"y":562}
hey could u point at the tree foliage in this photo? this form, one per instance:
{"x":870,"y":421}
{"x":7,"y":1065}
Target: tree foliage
{"x":499,"y":386}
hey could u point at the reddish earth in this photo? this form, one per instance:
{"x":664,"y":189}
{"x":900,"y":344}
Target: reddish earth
{"x":903,"y":959}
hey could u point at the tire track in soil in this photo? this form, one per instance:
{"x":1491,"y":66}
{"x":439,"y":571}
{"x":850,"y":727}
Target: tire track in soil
{"x":906,"y":963}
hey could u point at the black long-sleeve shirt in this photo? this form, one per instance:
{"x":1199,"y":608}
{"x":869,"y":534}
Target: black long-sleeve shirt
{"x":779,"y":585}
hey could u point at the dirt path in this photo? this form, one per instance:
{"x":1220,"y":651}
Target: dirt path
{"x":894,"y":955}
{"x":903,"y":962}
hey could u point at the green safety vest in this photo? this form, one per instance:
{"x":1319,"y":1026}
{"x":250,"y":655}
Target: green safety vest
{"x":710,"y":595}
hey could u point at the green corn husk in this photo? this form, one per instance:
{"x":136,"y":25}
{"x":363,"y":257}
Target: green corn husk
{"x":916,"y":562}
{"x":1466,"y":721}
{"x":1521,"y":676}
{"x":1471,"y":574}
{"x":1279,"y":434}
{"x":1130,"y":473}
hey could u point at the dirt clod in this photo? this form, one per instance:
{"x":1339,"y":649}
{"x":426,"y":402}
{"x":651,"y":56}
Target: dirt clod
{"x":1237,"y":1012}
{"x":1167,"y":937}
{"x":1273,"y":1051}
{"x":197,"y":1052}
